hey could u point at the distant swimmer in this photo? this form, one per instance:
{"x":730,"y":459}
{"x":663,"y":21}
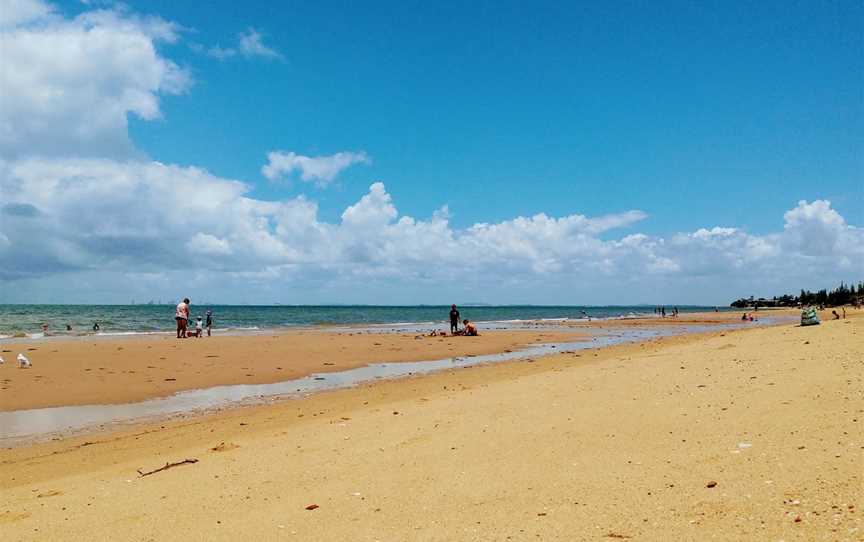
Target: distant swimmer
{"x":68,"y":327}
{"x":95,"y":326}
{"x":454,"y":319}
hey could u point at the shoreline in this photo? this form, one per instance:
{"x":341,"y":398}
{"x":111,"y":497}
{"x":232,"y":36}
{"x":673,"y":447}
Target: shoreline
{"x":685,"y":437}
{"x":73,"y":410}
{"x":236,"y":329}
{"x":21,"y":427}
{"x":125,"y":369}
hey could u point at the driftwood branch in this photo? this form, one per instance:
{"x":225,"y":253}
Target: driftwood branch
{"x":167,"y":466}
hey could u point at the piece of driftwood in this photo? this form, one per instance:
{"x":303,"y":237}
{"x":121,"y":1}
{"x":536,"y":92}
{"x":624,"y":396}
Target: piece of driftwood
{"x":167,"y":466}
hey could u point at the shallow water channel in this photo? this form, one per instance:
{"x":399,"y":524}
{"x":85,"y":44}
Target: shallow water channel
{"x":20,"y":426}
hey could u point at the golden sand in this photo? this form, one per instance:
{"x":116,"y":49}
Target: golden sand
{"x":753,"y":434}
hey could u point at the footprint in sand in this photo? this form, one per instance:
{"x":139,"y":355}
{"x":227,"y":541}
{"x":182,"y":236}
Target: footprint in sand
{"x":12,"y":517}
{"x":224,"y":447}
{"x":52,"y":493}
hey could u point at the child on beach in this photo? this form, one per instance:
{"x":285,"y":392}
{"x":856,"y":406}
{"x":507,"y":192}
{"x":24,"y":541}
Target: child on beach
{"x":199,"y":331}
{"x":469,"y":329}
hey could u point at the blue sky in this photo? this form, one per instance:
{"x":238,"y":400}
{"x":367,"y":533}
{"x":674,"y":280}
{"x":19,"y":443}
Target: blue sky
{"x":544,"y":152}
{"x":727,"y":113}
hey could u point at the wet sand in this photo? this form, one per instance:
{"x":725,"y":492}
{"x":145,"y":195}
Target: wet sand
{"x":753,"y":434}
{"x":123,"y":370}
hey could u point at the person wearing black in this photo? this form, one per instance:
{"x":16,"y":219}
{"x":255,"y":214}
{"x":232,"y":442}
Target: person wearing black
{"x":454,"y":319}
{"x":209,"y":322}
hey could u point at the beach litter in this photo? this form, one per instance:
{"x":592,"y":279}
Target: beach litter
{"x":167,"y":466}
{"x":712,"y":483}
{"x":312,"y":507}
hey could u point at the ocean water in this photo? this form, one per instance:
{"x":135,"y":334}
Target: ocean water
{"x":135,"y":319}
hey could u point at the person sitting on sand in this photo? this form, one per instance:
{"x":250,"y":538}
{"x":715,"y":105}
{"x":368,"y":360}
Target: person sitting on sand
{"x":744,"y":317}
{"x":182,"y":317}
{"x":469,"y":329}
{"x":454,"y":319}
{"x":836,"y":316}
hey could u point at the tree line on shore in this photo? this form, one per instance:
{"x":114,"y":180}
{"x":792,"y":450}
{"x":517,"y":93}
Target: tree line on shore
{"x":845,"y":294}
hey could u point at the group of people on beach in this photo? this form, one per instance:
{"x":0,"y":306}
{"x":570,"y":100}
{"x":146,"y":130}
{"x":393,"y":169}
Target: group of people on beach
{"x":661,"y":312}
{"x":468,"y":329}
{"x":182,"y":316}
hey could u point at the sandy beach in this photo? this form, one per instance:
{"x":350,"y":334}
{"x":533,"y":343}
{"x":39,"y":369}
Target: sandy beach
{"x":112,"y":370}
{"x":752,"y":434}
{"x":122,"y":370}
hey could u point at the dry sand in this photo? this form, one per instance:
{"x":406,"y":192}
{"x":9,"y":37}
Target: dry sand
{"x":744,"y":435}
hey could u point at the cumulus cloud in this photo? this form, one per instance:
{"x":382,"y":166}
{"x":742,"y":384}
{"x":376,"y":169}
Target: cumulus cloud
{"x":816,"y":230}
{"x":106,"y":216}
{"x":319,"y":169}
{"x":17,"y":12}
{"x":69,"y":84}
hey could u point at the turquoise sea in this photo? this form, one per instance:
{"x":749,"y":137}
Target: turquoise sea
{"x":133,"y":319}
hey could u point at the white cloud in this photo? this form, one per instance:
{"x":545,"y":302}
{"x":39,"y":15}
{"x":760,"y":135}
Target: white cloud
{"x":203,"y":243}
{"x":18,"y":12}
{"x":64,"y":216}
{"x":69,"y":84}
{"x":320,"y":169}
{"x":816,"y":230}
{"x":252,"y":44}
{"x":221,"y":53}
{"x":249,"y":44}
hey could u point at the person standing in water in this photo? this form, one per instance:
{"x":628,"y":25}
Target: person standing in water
{"x":454,"y":319}
{"x":182,"y":318}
